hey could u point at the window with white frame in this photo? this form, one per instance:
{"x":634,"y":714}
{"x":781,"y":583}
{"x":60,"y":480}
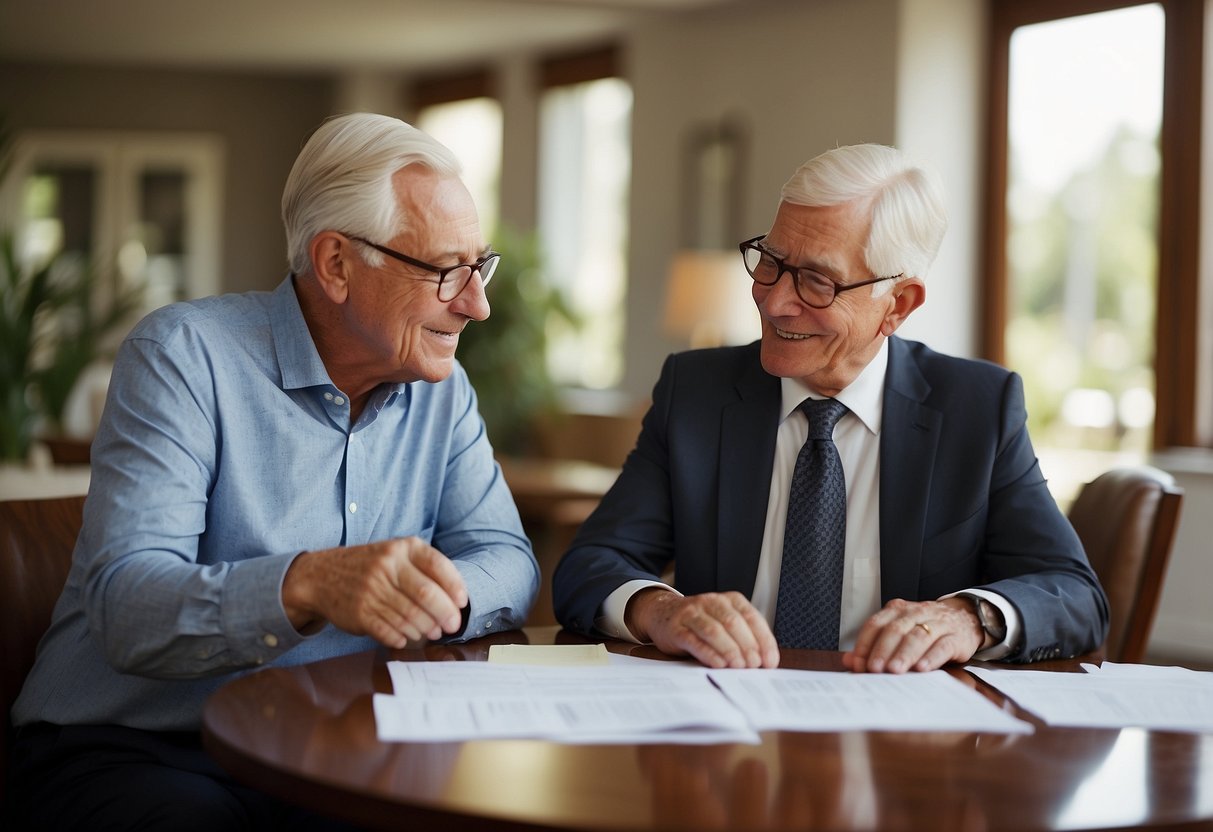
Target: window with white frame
{"x":144,"y":207}
{"x":584,"y":171}
{"x":471,"y":128}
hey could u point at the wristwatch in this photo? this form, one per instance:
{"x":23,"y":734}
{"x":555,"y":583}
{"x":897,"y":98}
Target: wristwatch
{"x":990,"y":618}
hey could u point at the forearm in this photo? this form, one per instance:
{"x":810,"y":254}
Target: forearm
{"x":1063,"y":614}
{"x":1034,"y":558}
{"x":629,"y":537}
{"x":157,"y":616}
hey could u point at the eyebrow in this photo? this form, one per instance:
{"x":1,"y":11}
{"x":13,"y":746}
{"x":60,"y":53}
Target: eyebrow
{"x":767,"y":247}
{"x":825,"y":268}
{"x":457,"y":256}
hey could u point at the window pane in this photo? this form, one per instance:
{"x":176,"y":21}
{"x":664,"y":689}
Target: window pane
{"x":158,"y":242}
{"x":1082,"y":204}
{"x":584,"y":167}
{"x":471,"y":128}
{"x":58,"y":209}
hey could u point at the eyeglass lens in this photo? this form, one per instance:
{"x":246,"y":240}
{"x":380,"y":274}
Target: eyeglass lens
{"x":457,"y":279}
{"x":813,"y":287}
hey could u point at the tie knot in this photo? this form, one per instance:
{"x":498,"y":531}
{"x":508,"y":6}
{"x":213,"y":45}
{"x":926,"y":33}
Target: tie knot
{"x":822,"y":414}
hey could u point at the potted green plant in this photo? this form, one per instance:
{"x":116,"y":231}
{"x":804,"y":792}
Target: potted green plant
{"x":506,"y":356}
{"x":22,"y":294}
{"x":51,"y":330}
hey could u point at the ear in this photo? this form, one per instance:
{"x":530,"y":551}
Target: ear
{"x":331,"y":255}
{"x":907,"y":295}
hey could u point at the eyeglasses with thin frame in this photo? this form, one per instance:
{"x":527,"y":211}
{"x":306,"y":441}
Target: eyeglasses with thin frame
{"x":812,"y":287}
{"x":451,"y":279}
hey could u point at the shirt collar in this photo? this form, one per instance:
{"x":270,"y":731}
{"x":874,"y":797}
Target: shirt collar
{"x":864,"y":396}
{"x":298,"y":359}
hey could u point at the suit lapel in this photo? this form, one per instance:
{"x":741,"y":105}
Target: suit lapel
{"x":747,"y":457}
{"x":909,"y":435}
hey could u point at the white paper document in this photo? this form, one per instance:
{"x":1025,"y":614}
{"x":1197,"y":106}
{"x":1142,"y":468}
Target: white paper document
{"x":645,"y":701}
{"x":1112,"y":696}
{"x":803,"y":700}
{"x":660,"y":702}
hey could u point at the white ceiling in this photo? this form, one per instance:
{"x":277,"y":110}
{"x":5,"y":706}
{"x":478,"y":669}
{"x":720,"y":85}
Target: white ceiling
{"x":320,"y":35}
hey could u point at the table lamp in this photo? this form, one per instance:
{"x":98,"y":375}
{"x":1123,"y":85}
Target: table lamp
{"x":708,"y":300}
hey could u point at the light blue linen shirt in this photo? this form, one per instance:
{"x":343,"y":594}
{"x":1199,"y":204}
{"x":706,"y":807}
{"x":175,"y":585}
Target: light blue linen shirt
{"x":224,"y":451}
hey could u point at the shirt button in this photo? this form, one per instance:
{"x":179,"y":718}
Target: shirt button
{"x":353,"y":508}
{"x":270,"y":640}
{"x":328,"y":397}
{"x":338,"y":400}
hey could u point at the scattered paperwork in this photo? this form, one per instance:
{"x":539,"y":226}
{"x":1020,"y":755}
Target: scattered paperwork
{"x":805,"y":700}
{"x":1111,"y":696}
{"x":632,"y":700}
{"x":451,"y":701}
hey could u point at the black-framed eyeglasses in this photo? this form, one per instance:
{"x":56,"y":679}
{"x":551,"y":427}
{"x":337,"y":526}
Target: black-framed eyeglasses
{"x":451,"y":279}
{"x":812,"y":287}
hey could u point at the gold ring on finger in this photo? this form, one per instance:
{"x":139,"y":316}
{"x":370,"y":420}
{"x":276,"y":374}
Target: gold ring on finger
{"x":924,"y":627}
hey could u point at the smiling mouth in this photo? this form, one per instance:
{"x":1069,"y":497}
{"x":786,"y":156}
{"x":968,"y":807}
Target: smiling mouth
{"x":791,"y":336}
{"x":445,"y":336}
{"x":442,"y":333}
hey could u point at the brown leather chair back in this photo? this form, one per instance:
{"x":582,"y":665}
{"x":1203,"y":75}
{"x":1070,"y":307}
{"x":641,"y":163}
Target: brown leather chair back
{"x":1126,"y":519}
{"x":36,"y":542}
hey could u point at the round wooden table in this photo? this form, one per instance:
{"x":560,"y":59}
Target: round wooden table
{"x":307,"y":734}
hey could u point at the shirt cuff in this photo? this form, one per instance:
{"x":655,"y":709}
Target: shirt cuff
{"x":489,"y":608}
{"x":610,"y":620}
{"x":255,"y":623}
{"x":1009,"y":614}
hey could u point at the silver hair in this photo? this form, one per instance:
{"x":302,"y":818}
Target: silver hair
{"x":905,"y":204}
{"x":342,"y":181}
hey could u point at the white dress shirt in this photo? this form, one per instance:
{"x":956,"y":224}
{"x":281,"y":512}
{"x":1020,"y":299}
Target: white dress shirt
{"x":857,"y":436}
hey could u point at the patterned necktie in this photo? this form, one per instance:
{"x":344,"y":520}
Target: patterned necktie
{"x":810,"y":579}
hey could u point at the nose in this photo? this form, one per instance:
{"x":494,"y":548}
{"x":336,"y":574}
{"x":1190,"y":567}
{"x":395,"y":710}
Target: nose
{"x":779,"y":300}
{"x":472,"y":301}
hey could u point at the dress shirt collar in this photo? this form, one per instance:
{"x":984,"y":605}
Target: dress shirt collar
{"x":298,"y":360}
{"x":864,"y":396}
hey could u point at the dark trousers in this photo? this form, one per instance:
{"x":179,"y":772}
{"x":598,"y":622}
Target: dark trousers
{"x":100,"y":777}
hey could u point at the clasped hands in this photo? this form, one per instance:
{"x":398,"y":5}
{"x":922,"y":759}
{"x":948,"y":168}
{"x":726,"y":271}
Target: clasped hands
{"x":723,"y":629}
{"x":394,"y":591}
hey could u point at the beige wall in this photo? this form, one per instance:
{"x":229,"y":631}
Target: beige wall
{"x":262,"y":121}
{"x":940,"y":120}
{"x":1184,"y":626}
{"x":805,"y":76}
{"x":802,"y":76}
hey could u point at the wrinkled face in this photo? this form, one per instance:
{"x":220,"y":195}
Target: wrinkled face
{"x":826,"y":348}
{"x":399,"y":328}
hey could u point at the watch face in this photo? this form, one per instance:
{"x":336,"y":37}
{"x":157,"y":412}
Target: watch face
{"x":989,"y":617}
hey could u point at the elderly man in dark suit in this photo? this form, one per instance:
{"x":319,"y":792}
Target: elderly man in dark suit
{"x":833,"y":485}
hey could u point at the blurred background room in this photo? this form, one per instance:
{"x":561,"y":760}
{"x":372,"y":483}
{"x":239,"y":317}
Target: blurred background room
{"x":618,"y":151}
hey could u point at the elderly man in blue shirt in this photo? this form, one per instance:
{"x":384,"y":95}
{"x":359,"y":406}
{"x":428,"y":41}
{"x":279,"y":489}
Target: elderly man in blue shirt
{"x":278,"y":478}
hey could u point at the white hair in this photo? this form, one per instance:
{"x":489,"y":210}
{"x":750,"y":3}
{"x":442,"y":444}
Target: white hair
{"x":904,"y":203}
{"x":342,"y":181}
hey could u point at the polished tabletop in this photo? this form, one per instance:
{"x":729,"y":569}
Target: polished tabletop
{"x":307,"y":734}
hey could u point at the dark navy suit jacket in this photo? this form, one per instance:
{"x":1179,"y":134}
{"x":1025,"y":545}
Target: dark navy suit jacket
{"x":962,"y":500}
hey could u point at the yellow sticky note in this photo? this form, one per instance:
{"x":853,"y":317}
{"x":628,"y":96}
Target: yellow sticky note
{"x":550,"y":654}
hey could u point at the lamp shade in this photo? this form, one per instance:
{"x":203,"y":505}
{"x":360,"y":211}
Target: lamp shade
{"x":708,"y":301}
